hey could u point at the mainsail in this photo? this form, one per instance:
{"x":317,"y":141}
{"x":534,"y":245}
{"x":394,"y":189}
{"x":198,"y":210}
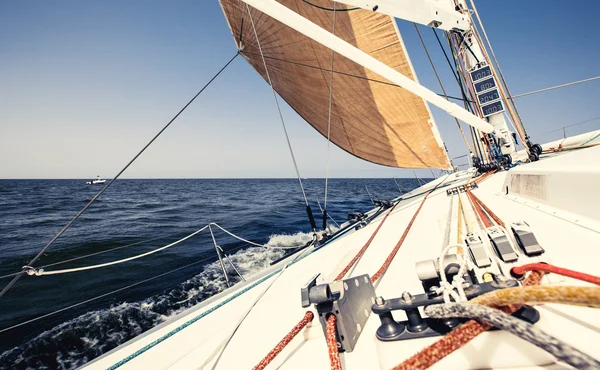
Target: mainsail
{"x":371,"y":118}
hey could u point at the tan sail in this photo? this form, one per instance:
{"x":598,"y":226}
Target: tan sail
{"x":371,"y":118}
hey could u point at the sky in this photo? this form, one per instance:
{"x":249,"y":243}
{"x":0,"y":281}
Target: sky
{"x":85,"y":84}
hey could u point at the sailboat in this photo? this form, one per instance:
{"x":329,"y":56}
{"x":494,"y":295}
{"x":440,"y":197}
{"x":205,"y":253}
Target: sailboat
{"x":509,"y":279}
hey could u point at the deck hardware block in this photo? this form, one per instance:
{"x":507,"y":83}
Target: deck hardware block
{"x":477,"y":251}
{"x":525,"y":239}
{"x":418,"y":327}
{"x":501,"y":244}
{"x":350,"y":300}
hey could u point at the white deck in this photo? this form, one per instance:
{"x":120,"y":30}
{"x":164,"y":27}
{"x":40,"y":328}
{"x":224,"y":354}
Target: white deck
{"x":569,"y":243}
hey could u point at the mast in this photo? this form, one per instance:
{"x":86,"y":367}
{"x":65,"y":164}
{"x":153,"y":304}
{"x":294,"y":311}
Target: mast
{"x":490,"y":98}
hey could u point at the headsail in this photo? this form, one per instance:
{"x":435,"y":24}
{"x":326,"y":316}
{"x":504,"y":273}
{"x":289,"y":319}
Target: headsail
{"x":371,"y":118}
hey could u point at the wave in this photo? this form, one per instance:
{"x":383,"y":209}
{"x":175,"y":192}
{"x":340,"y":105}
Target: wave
{"x":75,"y":342}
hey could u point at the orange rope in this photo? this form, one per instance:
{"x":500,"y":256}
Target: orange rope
{"x":489,"y":211}
{"x":482,"y":216}
{"x":391,"y":256}
{"x":308,"y":317}
{"x":334,"y":355}
{"x":459,"y":336}
{"x":364,"y":248}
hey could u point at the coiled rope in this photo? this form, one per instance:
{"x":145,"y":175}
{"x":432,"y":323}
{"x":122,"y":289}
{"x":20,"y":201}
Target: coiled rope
{"x":522,"y":329}
{"x":459,"y":336}
{"x":531,"y":295}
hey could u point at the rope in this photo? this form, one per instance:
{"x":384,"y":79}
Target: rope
{"x":221,"y":349}
{"x":441,"y":86}
{"x":334,"y":355}
{"x":582,"y":296}
{"x":94,"y":254}
{"x":331,"y":320}
{"x":308,"y":317}
{"x":519,"y":271}
{"x":489,"y":211}
{"x":40,"y":272}
{"x":329,"y":126}
{"x":238,"y":237}
{"x":278,"y":109}
{"x":522,"y":329}
{"x":458,"y":337}
{"x":556,"y":87}
{"x":100,"y":296}
{"x":62,"y":231}
{"x":358,"y":255}
{"x":391,"y":256}
{"x":454,"y":289}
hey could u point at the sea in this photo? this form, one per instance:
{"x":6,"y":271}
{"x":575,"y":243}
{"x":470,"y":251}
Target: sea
{"x":65,"y":320}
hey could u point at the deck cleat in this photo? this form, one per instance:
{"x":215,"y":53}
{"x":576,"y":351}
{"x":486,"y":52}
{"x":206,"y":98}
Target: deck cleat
{"x":501,"y":244}
{"x":418,"y":327}
{"x":525,"y":239}
{"x":349,"y":300}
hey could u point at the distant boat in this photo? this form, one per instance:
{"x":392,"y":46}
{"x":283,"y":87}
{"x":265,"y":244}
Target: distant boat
{"x":97,"y":181}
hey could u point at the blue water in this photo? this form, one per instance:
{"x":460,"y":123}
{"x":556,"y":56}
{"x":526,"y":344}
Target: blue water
{"x":148,"y":214}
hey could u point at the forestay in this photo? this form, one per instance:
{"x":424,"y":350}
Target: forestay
{"x":371,"y":118}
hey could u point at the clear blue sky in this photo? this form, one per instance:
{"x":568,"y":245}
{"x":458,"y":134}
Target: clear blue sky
{"x":84,"y":84}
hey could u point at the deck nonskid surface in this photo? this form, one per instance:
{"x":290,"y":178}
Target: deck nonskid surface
{"x":567,"y":245}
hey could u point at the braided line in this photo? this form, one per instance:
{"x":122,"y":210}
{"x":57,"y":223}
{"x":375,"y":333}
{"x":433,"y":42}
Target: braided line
{"x":519,"y":271}
{"x":459,"y":336}
{"x":364,"y":248}
{"x":391,"y":256}
{"x":308,"y":317}
{"x":522,"y":329}
{"x":332,"y":344}
{"x":532,"y":295}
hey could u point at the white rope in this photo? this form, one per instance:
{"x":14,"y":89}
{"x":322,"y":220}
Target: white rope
{"x":100,"y":296}
{"x":41,"y":272}
{"x":455,"y":289}
{"x":239,"y":237}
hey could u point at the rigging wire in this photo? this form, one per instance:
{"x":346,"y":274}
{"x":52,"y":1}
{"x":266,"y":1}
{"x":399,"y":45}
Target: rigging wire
{"x":329,"y":125}
{"x":510,"y":97}
{"x":441,"y":86}
{"x":339,"y":72}
{"x":308,"y":210}
{"x":555,"y":87}
{"x":66,"y":227}
{"x":574,"y":124}
{"x":331,"y":9}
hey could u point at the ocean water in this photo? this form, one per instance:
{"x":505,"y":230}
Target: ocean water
{"x":136,"y":216}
